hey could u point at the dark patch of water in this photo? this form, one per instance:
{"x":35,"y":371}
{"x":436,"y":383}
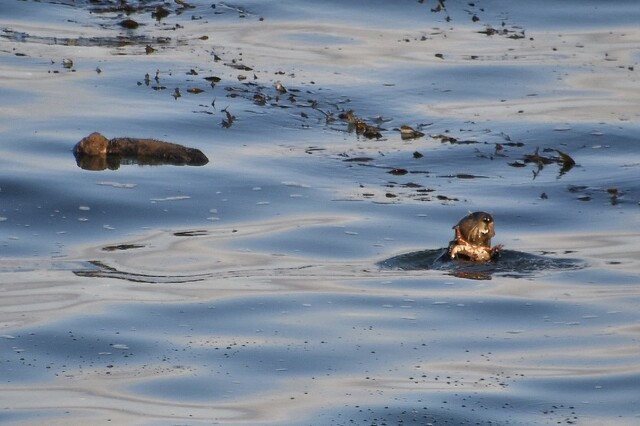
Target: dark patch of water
{"x":509,"y":263}
{"x":342,"y":339}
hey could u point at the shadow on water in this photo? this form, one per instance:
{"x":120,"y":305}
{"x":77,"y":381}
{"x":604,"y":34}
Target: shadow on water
{"x":510,"y":263}
{"x":113,"y":162}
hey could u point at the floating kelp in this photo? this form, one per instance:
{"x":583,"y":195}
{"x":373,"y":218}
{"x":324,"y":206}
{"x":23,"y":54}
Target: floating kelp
{"x":129,"y":24}
{"x":463,"y":176}
{"x":509,"y":33}
{"x":360,"y":126}
{"x":359,"y":160}
{"x":191,"y":233}
{"x":122,"y":247}
{"x":587,"y":193}
{"x":238,"y":66}
{"x":129,"y":8}
{"x":408,"y":132}
{"x":260,"y":99}
{"x":227,"y":122}
{"x":452,"y":140}
{"x":213,"y":79}
{"x":398,"y":172}
{"x":564,"y":160}
{"x":280,"y":87}
{"x":474,"y":11}
{"x":130,"y":39}
{"x":160,"y":13}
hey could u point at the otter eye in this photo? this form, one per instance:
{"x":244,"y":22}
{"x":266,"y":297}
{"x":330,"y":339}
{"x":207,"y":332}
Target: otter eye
{"x":487,"y":219}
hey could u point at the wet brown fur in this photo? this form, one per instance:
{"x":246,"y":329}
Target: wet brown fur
{"x":476,"y":228}
{"x":144,"y":149}
{"x":473,"y":238}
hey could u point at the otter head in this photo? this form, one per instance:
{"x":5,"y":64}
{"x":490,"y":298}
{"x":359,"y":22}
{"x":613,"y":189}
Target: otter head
{"x":477,"y":228}
{"x":92,"y":145}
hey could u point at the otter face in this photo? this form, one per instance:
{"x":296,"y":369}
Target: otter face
{"x":94,"y":144}
{"x":477,"y":228}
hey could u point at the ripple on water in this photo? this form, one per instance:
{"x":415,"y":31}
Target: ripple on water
{"x":510,"y":263}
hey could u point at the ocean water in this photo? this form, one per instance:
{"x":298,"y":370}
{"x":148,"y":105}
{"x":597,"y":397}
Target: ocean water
{"x":294,"y":278}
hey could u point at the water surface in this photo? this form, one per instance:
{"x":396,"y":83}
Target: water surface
{"x":291,"y":280}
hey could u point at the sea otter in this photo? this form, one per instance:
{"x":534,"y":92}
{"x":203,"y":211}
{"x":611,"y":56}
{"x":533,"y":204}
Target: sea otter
{"x":96,"y":152}
{"x":472,"y":239}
